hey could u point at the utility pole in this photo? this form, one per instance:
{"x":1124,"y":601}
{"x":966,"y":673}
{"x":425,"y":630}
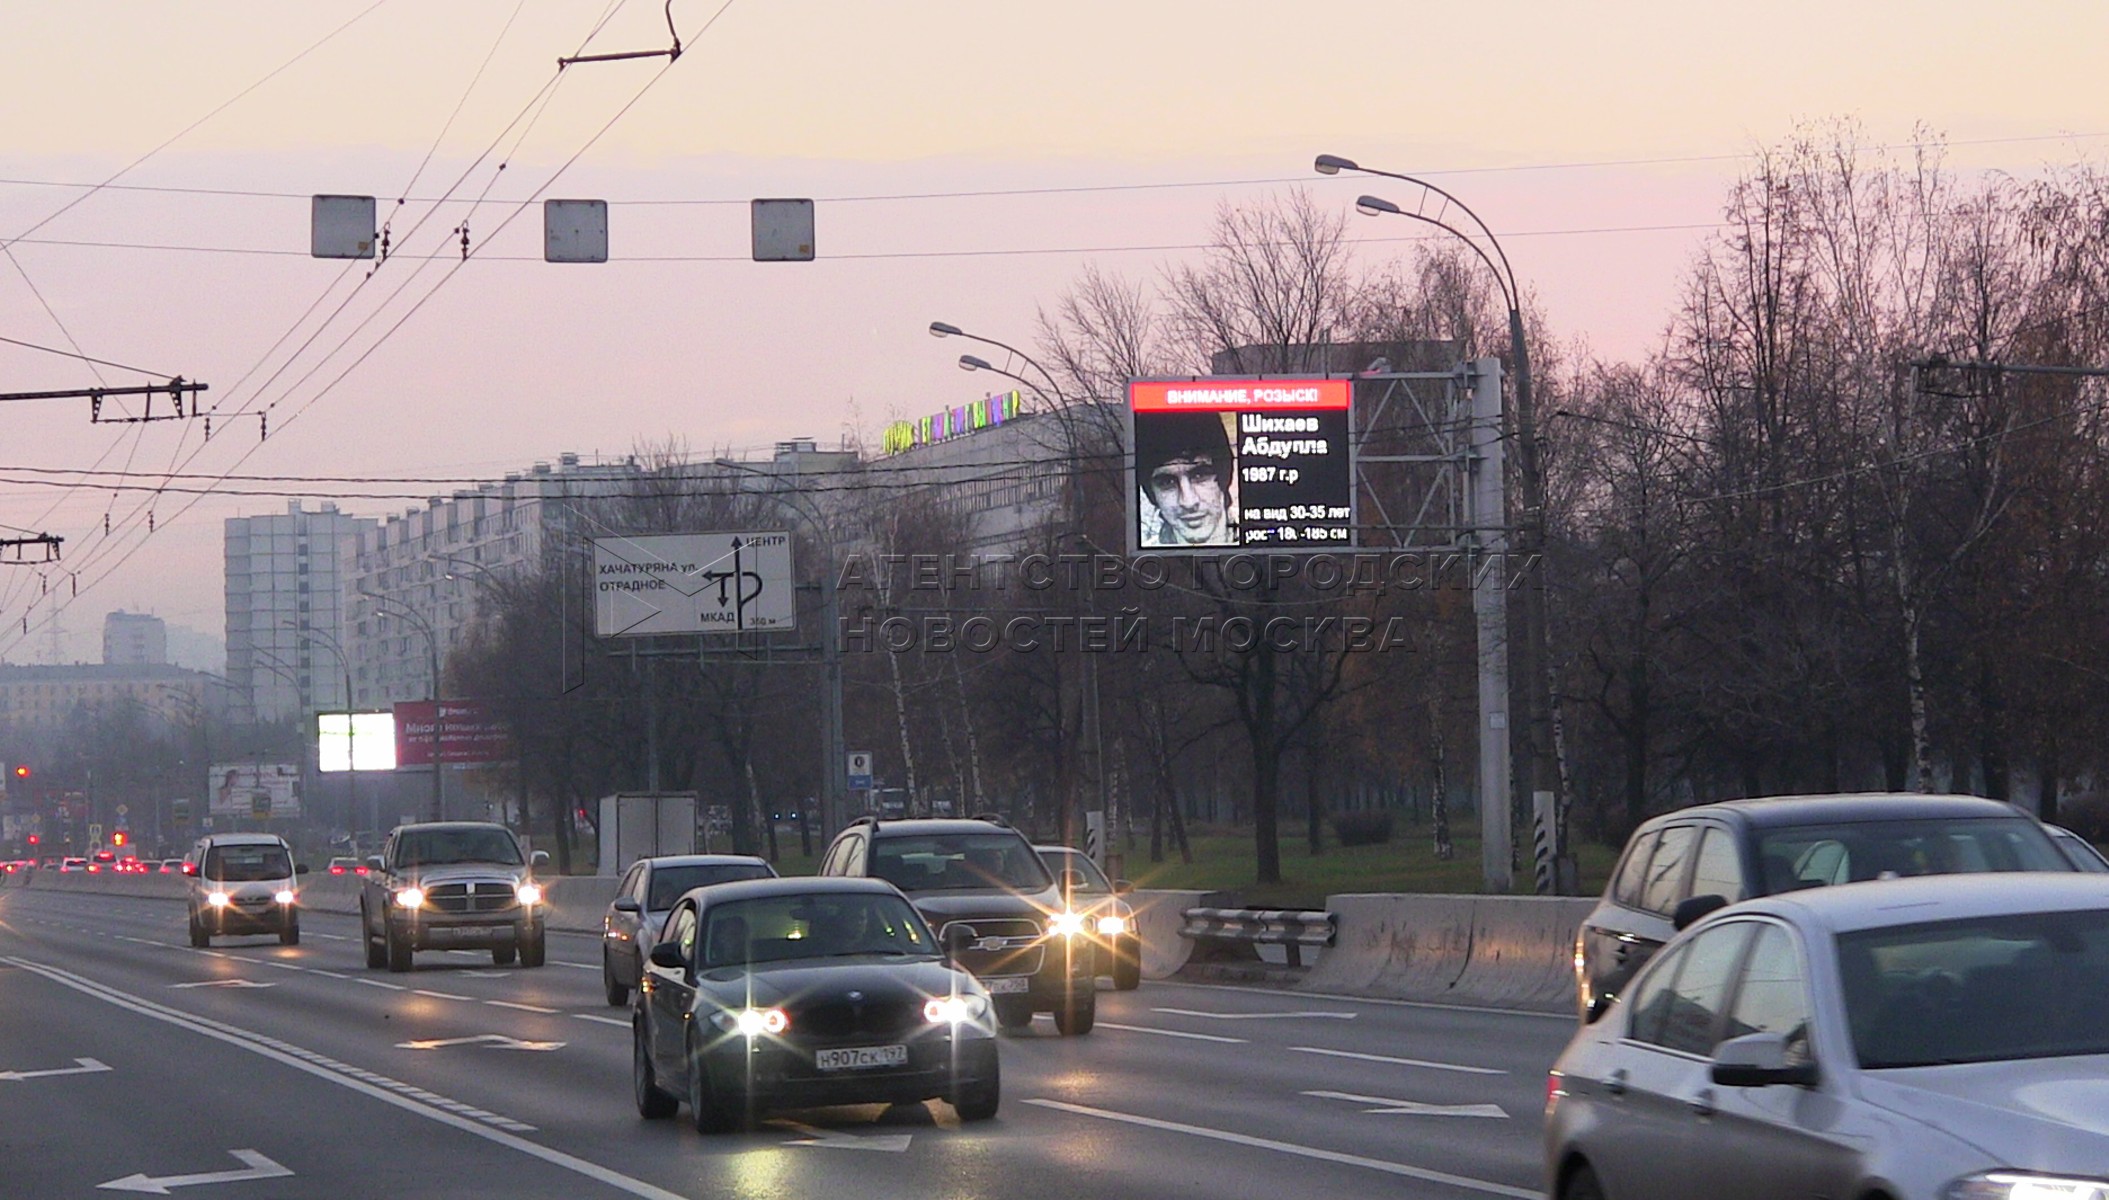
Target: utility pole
{"x":1490,"y":612}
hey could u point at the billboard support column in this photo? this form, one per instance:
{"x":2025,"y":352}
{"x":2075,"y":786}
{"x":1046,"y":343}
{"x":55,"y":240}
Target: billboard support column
{"x":1488,"y":519}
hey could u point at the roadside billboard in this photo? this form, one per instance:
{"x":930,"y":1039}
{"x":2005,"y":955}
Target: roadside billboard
{"x":256,"y":791}
{"x":354,"y":742}
{"x":468,"y":733}
{"x":1224,"y":464}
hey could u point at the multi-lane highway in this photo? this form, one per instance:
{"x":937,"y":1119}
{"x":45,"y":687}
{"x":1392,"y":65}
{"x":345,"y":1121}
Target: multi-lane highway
{"x":129,"y":1060}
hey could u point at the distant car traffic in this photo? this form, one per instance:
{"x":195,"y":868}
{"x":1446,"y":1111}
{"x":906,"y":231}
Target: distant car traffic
{"x":1109,"y":922}
{"x":1923,"y":1039}
{"x":245,"y":883}
{"x":1687,"y":861}
{"x":70,"y":865}
{"x":800,"y":993}
{"x":346,"y":865}
{"x":644,"y":898}
{"x":982,"y":878}
{"x":2078,"y":850}
{"x":170,"y":866}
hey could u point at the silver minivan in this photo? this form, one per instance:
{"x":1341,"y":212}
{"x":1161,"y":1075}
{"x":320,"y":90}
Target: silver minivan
{"x":244,"y":883}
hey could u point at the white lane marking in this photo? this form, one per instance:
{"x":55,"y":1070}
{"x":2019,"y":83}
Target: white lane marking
{"x":283,"y":966}
{"x":533,"y":1008}
{"x":492,"y":1041}
{"x":327,"y":974}
{"x":1566,"y":1018}
{"x":439,"y":995}
{"x":619,"y":1021}
{"x":836,"y":1140}
{"x":1197,"y":1037}
{"x":1415,"y":1107}
{"x":225,"y":983}
{"x":1398,"y":1062}
{"x":364,"y":1082}
{"x":486,"y":974}
{"x":216,"y":953}
{"x":1333,"y":1156}
{"x":334,"y":937}
{"x":88,"y":1066}
{"x":1258,"y":1016}
{"x":257,"y":1167}
{"x":393,"y":987}
{"x":575,"y":966}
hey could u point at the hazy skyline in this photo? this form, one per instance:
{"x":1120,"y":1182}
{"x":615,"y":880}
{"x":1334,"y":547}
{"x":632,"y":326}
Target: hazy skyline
{"x":509,"y":360}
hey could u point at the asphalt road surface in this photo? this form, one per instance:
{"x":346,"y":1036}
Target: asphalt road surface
{"x":131,"y":1062}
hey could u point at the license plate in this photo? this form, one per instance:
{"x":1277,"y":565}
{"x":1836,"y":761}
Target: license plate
{"x":1007,"y":985}
{"x":852,"y":1058}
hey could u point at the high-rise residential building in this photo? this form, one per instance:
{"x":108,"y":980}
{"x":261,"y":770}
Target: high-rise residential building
{"x":134,"y":639}
{"x":286,"y":628}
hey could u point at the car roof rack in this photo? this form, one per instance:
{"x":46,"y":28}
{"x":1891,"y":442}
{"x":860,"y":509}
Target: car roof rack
{"x":993,"y":818}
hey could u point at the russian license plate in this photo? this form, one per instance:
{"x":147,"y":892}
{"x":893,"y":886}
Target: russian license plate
{"x":1007,"y":985}
{"x":852,"y":1058}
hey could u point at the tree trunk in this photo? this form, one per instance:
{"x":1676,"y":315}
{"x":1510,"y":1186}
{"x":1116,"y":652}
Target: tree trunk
{"x":2048,"y":768}
{"x":1266,"y":796}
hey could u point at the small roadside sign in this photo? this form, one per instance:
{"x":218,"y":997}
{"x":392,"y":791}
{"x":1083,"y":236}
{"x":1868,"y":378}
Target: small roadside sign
{"x":860,"y":770}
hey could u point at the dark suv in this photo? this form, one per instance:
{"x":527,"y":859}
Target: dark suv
{"x":990,"y":898}
{"x":1679,"y":866}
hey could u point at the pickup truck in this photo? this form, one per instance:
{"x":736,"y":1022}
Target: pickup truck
{"x":451,"y":885}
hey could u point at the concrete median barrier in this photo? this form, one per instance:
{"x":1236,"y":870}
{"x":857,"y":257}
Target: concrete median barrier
{"x":1158,"y":914}
{"x":1503,"y":951}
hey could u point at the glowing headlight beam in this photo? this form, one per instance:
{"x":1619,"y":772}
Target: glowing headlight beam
{"x":528,"y":893}
{"x":1065,"y":924}
{"x":217,"y":899}
{"x":284,"y":896}
{"x":411,"y":897}
{"x":942,"y":1010}
{"x":1110,"y":926}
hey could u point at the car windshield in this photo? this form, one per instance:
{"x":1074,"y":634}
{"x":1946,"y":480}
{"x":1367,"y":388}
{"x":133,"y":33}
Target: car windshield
{"x":822,"y":925}
{"x":439,"y":847}
{"x":2081,"y":853}
{"x":959,"y":861}
{"x":1984,"y":990}
{"x":669,"y":883}
{"x":247,"y":864}
{"x":1095,"y":880}
{"x":1815,"y":855}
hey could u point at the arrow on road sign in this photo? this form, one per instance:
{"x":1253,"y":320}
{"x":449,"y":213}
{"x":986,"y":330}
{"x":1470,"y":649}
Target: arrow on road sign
{"x":495,"y":1041}
{"x":226,"y":983}
{"x":1415,"y":1107}
{"x":88,"y":1066}
{"x":832,"y":1140}
{"x":258,"y":1167}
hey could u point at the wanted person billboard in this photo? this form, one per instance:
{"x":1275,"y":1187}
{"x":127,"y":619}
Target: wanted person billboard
{"x":1224,"y":464}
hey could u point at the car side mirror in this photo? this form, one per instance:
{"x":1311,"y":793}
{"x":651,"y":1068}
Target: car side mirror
{"x":1599,"y":1004}
{"x":627,"y":904}
{"x":1695,"y":909}
{"x":300,"y":868}
{"x":1760,"y":1060}
{"x":1074,"y":881}
{"x":539,"y":858}
{"x":374,"y":863}
{"x":668,"y":955}
{"x":1122,"y":887}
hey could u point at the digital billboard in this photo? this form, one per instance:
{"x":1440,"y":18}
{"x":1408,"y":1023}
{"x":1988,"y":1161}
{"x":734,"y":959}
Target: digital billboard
{"x":1221,"y":464}
{"x":468,"y":734}
{"x":355,"y":741}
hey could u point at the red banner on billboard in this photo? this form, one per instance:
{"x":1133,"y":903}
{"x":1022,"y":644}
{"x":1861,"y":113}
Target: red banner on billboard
{"x":463,"y":730}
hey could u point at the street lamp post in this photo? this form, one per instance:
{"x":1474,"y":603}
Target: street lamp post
{"x":1541,"y":774}
{"x":383,"y":604}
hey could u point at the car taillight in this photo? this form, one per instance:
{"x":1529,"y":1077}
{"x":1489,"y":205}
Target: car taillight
{"x":1553,"y":1090}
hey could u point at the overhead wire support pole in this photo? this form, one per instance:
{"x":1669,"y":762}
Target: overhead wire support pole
{"x":668,"y":55}
{"x":14,"y":552}
{"x":175,"y":389}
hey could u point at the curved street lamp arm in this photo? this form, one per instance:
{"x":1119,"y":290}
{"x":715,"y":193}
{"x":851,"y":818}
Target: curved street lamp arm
{"x":1007,"y":348}
{"x":1037,"y":389}
{"x":1507,"y":285}
{"x":1507,"y":272}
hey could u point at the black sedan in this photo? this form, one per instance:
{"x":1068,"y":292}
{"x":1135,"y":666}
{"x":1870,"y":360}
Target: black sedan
{"x":801,"y":993}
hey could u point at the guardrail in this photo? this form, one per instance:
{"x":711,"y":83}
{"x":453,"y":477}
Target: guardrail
{"x":1253,"y":927}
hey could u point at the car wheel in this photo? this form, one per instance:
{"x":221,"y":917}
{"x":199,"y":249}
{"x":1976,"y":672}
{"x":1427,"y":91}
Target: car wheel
{"x":376,"y":952}
{"x":653,"y":1103}
{"x":706,"y":1108}
{"x":289,"y":934}
{"x":1014,"y":1012}
{"x":618,"y":995}
{"x":1127,"y":967}
{"x":398,"y":950}
{"x":976,"y":1100}
{"x":1581,"y":1184}
{"x":534,"y":948}
{"x":502,"y":956}
{"x":1077,"y":1014}
{"x":200,"y":937}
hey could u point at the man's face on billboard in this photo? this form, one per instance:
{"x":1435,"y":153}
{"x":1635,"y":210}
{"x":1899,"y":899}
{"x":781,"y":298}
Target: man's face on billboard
{"x":1189,"y":492}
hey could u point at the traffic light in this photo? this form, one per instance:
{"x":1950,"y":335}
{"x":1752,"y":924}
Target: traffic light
{"x":118,"y":838}
{"x":33,"y":839}
{"x":21,"y":770}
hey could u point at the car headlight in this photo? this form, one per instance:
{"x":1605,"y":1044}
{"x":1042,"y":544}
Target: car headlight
{"x":2020,"y":1185}
{"x":753,"y":1022}
{"x":284,"y":896}
{"x":528,"y":893}
{"x":411,"y":897}
{"x":942,"y":1010}
{"x":1065,"y":924}
{"x":1112,"y":926}
{"x":217,"y":899}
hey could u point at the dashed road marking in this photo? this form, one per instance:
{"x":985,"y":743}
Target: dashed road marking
{"x":1177,"y":1033}
{"x":439,"y":995}
{"x":614,"y":1020}
{"x":533,"y":1008}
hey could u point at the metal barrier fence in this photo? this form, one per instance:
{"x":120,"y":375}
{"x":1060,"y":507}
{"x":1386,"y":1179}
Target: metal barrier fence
{"x":1252,"y":927}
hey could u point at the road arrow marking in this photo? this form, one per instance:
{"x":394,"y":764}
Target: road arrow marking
{"x":88,"y":1066}
{"x":226,"y":983}
{"x":258,"y":1167}
{"x":1415,"y":1107}
{"x":1397,"y":1062}
{"x":1259,"y":1016}
{"x":833,"y":1140}
{"x":495,"y":1041}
